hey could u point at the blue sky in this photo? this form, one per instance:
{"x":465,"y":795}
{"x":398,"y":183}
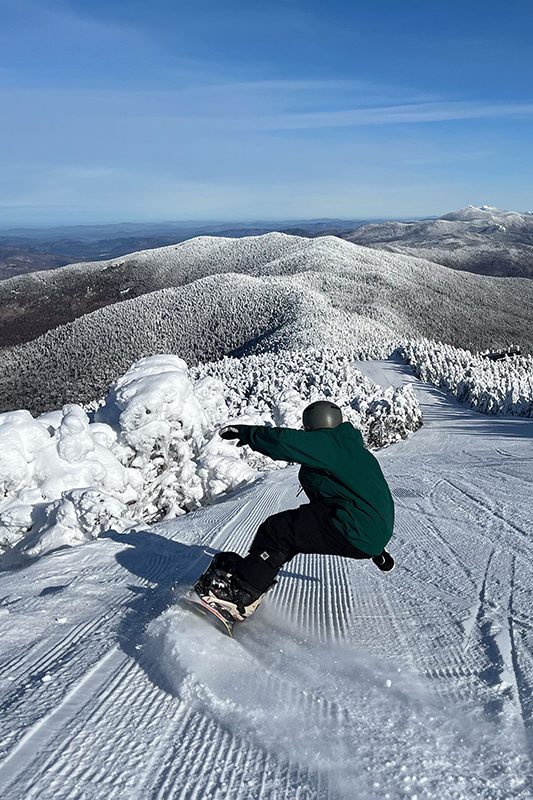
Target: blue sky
{"x":148,"y":110}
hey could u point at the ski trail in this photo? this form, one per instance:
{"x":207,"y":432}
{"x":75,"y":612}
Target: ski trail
{"x":492,"y":624}
{"x":523,"y":683}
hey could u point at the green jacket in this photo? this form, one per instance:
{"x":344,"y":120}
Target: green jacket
{"x":338,"y":470}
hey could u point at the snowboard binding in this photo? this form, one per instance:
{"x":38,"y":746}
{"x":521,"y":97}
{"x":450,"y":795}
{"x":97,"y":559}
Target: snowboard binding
{"x":219,"y":587}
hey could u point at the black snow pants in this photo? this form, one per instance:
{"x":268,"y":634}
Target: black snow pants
{"x":307,"y":529}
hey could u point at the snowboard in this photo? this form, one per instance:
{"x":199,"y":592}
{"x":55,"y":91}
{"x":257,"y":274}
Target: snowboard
{"x":197,"y":605}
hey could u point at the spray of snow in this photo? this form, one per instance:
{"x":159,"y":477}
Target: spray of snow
{"x":343,"y":701}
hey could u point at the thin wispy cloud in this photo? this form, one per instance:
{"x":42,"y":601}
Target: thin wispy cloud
{"x":256,"y":104}
{"x":392,"y":115}
{"x":269,"y":105}
{"x":304,"y":95}
{"x":66,"y":20}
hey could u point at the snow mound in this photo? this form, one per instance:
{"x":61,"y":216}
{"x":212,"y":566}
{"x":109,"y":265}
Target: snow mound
{"x":60,"y":481}
{"x":155,"y":404}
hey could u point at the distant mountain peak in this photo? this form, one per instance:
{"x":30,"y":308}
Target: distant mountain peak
{"x":483,"y":239}
{"x":471,"y":212}
{"x":486,"y":213}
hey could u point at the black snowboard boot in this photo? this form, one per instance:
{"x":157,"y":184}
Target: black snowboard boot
{"x":384,"y":561}
{"x":221,"y":587}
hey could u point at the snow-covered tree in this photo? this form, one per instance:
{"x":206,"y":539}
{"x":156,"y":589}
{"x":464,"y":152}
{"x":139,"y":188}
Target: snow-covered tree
{"x":503,"y":386}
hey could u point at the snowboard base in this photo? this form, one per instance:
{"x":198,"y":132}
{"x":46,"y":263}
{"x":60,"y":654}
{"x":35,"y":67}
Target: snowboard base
{"x":196,"y":604}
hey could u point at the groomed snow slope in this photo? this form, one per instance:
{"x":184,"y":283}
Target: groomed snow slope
{"x":347,"y":684}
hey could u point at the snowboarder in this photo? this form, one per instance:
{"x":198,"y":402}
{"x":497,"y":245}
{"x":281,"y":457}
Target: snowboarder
{"x":350,"y":511}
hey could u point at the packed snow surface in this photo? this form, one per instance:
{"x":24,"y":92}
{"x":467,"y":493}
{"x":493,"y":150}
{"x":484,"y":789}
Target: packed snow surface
{"x":347,"y":683}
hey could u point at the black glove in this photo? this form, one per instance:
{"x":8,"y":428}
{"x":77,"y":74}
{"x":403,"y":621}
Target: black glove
{"x":231,"y":432}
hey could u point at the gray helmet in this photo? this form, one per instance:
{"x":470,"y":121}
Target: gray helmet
{"x":321,"y":414}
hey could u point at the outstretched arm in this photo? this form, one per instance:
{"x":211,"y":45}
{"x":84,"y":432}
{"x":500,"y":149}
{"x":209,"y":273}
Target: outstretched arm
{"x":281,"y":444}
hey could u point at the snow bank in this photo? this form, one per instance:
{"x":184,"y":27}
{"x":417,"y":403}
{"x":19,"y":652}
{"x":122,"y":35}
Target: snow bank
{"x":491,"y":387}
{"x":151,"y":451}
{"x":60,"y":482}
{"x":144,"y":455}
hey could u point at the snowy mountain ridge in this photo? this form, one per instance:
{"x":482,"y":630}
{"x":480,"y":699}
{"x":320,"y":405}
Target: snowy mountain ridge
{"x":27,"y":302}
{"x":233,"y":297}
